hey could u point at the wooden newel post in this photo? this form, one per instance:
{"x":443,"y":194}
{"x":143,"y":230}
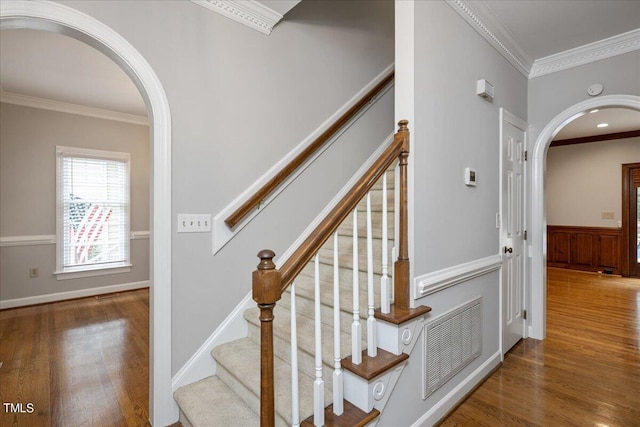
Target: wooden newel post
{"x":402,"y":266}
{"x":266,"y":291}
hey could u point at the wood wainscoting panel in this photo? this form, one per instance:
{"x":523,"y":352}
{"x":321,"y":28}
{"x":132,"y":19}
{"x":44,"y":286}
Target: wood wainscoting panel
{"x":585,"y":248}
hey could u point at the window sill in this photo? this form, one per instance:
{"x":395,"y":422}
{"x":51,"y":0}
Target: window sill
{"x":91,"y":272}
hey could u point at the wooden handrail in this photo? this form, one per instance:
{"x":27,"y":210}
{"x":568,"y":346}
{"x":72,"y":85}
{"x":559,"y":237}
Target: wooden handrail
{"x":254,"y":201}
{"x":296,"y":262}
{"x":269,"y":283}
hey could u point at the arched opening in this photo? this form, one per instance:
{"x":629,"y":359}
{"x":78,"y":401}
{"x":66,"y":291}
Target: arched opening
{"x":538,"y":279}
{"x":65,"y":20}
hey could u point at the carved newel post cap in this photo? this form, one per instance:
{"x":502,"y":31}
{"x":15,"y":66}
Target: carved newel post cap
{"x":266,"y":259}
{"x":266,"y":279}
{"x":403,"y":125}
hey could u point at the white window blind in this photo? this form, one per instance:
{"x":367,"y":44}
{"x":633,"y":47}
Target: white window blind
{"x":93,"y":209}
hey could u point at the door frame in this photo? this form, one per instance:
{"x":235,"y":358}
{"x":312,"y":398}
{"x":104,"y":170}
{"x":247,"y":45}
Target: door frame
{"x":538,"y":233}
{"x":628,"y":246}
{"x":55,"y":17}
{"x":507,"y":117}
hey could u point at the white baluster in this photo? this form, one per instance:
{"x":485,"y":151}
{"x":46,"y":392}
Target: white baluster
{"x":372,"y":343}
{"x":385,"y":304}
{"x":338,"y":380}
{"x":356,"y":331}
{"x":318,"y":384}
{"x":295,"y":401}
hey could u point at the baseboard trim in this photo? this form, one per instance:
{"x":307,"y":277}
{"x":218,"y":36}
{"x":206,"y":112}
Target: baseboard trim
{"x":455,"y":396}
{"x":430,"y":283}
{"x":81,"y":293}
{"x":201,"y":364}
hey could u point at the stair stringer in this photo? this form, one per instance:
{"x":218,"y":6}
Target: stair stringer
{"x":375,"y":393}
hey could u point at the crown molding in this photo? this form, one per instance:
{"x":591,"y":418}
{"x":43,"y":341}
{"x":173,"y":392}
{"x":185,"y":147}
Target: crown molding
{"x":612,"y":46}
{"x":484,"y":21}
{"x":251,"y":13}
{"x":65,"y":107}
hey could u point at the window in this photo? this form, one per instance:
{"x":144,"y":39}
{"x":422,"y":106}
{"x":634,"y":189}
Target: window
{"x":92,"y":212}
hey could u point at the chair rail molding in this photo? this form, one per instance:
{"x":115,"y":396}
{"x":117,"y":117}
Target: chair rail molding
{"x":43,"y":239}
{"x":436,"y":281}
{"x":253,"y":14}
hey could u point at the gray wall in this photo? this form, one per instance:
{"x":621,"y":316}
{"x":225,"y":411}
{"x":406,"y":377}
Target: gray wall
{"x":584,"y":180}
{"x":453,"y":224}
{"x":28,"y":139}
{"x":240,"y":101}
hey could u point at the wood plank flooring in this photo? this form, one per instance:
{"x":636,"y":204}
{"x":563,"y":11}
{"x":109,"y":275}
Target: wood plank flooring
{"x":79,"y":363}
{"x":587,"y":371}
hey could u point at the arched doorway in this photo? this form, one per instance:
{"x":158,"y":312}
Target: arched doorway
{"x":48,"y":16}
{"x":538,"y":280}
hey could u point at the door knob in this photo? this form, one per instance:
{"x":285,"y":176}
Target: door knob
{"x":506,"y":249}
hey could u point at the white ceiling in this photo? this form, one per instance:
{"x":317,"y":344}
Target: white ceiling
{"x":543,"y":27}
{"x":56,"y":67}
{"x":618,"y":119}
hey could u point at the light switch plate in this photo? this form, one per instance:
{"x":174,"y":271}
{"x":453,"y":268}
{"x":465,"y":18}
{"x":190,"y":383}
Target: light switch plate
{"x":194,"y":223}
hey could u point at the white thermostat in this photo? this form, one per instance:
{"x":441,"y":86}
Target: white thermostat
{"x":470,"y":177}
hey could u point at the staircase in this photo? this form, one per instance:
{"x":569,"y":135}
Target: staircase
{"x":232,"y":397}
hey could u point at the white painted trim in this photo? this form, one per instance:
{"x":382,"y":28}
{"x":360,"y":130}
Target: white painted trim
{"x":92,"y":272}
{"x":606,"y":48}
{"x":80,"y":293}
{"x":221,"y":232}
{"x":51,"y":16}
{"x":404,"y":109}
{"x":44,"y":239}
{"x":65,"y":107}
{"x":448,"y":402}
{"x":506,"y":116}
{"x":538,"y":314}
{"x":50,"y":239}
{"x":140,"y":235}
{"x":484,"y":21}
{"x":436,"y":281}
{"x":253,"y":14}
{"x":201,"y":365}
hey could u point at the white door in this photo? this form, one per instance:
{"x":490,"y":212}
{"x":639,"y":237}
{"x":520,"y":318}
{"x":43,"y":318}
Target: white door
{"x":512,"y":154}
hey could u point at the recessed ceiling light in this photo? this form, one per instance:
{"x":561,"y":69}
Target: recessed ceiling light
{"x":594,"y":111}
{"x":603,"y":125}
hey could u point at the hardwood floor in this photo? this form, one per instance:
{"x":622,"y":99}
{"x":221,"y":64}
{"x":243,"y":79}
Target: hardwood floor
{"x":79,"y":363}
{"x":587,"y":371}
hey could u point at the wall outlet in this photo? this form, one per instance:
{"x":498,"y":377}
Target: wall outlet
{"x":34,"y":272}
{"x":194,"y":223}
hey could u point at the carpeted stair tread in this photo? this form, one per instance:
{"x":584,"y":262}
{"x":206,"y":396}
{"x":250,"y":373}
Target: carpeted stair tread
{"x":306,"y":334}
{"x":196,"y":401}
{"x":240,"y":359}
{"x":305,"y":295}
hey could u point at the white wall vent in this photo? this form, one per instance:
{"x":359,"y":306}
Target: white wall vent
{"x":451,"y":342}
